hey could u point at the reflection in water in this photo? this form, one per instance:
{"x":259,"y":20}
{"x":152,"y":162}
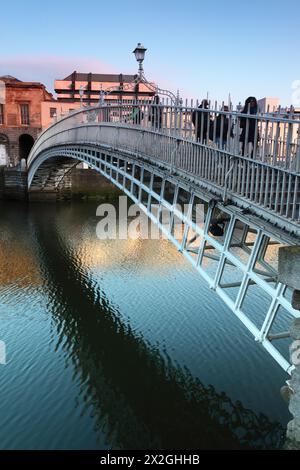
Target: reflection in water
{"x":22,"y":269}
{"x":139,"y":398}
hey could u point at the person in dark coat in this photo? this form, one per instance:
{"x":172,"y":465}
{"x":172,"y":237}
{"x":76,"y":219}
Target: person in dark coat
{"x":222,"y":134}
{"x":250,"y":107}
{"x":137,"y":115}
{"x":200,"y":120}
{"x":156,"y":113}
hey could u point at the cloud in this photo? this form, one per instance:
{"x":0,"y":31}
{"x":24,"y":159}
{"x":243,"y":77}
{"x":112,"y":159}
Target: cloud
{"x":46,"y":69}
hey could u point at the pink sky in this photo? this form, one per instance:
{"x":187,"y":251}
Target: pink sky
{"x":46,"y":69}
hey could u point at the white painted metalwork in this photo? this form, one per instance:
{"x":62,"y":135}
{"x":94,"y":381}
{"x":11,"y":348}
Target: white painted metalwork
{"x":250,"y":206}
{"x":270,"y":189}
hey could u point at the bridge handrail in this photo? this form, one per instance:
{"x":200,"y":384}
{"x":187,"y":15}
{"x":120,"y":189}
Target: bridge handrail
{"x":268,"y":138}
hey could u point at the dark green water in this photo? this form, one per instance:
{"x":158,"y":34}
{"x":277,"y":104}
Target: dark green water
{"x":121,"y":345}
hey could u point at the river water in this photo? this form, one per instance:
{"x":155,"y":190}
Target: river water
{"x":119,"y":344}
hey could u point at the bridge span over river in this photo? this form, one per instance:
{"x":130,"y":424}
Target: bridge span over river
{"x":243,"y":200}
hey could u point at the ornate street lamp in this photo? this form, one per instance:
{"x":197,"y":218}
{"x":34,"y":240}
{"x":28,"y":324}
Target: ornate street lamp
{"x":139,"y":53}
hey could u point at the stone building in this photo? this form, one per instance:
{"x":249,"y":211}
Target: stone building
{"x":20,"y":117}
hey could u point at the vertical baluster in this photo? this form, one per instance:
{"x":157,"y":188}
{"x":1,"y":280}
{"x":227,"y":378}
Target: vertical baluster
{"x":271,"y":200}
{"x":295,"y":199}
{"x":190,"y":119}
{"x":275,"y":146}
{"x":255,"y":139}
{"x":221,"y":130}
{"x":288,"y":196}
{"x":297,"y":151}
{"x":236,"y":149}
{"x":246,"y":136}
{"x":289,"y":146}
{"x":208,"y":123}
{"x":269,"y":137}
{"x":228,"y":117}
{"x":282,"y":198}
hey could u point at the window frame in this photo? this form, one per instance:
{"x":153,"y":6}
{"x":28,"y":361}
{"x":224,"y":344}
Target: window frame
{"x":51,"y":115}
{"x":2,"y":118}
{"x":22,"y":115}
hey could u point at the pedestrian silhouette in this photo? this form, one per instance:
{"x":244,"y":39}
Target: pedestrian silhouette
{"x":248,"y":126}
{"x":137,"y":115}
{"x":202,"y":121}
{"x":222,"y":126}
{"x":156,"y":112}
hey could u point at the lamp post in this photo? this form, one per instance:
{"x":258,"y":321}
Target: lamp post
{"x":101,"y":96}
{"x":81,"y":93}
{"x":139,"y":53}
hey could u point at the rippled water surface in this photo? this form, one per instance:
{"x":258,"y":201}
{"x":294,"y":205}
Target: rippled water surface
{"x":119,"y":344}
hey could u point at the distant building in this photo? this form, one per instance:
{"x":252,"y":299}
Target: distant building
{"x":270,"y":105}
{"x":120,"y":87}
{"x":278,"y":133}
{"x":20,"y":117}
{"x":55,"y":110}
{"x":26,"y":108}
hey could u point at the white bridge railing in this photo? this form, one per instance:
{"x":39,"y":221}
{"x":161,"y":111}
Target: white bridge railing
{"x":257,"y":159}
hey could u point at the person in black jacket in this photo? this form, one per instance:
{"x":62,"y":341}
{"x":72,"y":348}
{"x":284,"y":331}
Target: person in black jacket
{"x":201,"y":120}
{"x":222,"y":132}
{"x":156,"y":113}
{"x":250,"y":107}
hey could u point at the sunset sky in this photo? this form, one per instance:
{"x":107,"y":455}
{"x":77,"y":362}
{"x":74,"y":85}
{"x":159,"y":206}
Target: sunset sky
{"x":245,"y":48}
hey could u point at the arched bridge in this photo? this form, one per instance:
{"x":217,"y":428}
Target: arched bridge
{"x":238,"y":176}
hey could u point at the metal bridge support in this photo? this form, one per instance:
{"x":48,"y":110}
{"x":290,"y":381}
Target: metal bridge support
{"x":293,"y":429}
{"x":289,"y":273}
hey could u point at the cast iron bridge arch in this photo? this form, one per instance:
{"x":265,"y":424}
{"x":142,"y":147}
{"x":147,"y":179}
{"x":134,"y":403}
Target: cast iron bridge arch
{"x":159,"y":164}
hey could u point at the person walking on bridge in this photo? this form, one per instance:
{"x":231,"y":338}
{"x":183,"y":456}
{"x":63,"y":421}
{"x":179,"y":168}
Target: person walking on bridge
{"x":249,"y":126}
{"x":156,"y":113}
{"x":223,"y":123}
{"x":137,"y":115}
{"x":202,"y":122}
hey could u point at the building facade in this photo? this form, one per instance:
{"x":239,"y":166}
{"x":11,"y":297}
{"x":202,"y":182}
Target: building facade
{"x":26,"y":108}
{"x":116,"y":88}
{"x":267,"y":104}
{"x":20,"y":118}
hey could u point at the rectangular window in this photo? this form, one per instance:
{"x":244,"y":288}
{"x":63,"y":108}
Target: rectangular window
{"x":52,"y":112}
{"x":24,"y":114}
{"x":1,"y":114}
{"x":70,"y":110}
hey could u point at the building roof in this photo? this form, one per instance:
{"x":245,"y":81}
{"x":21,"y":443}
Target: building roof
{"x":9,"y":78}
{"x":99,"y":77}
{"x":13,"y":82}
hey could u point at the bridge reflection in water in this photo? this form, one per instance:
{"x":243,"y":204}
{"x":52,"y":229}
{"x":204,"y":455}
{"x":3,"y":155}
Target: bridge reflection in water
{"x":139,"y":399}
